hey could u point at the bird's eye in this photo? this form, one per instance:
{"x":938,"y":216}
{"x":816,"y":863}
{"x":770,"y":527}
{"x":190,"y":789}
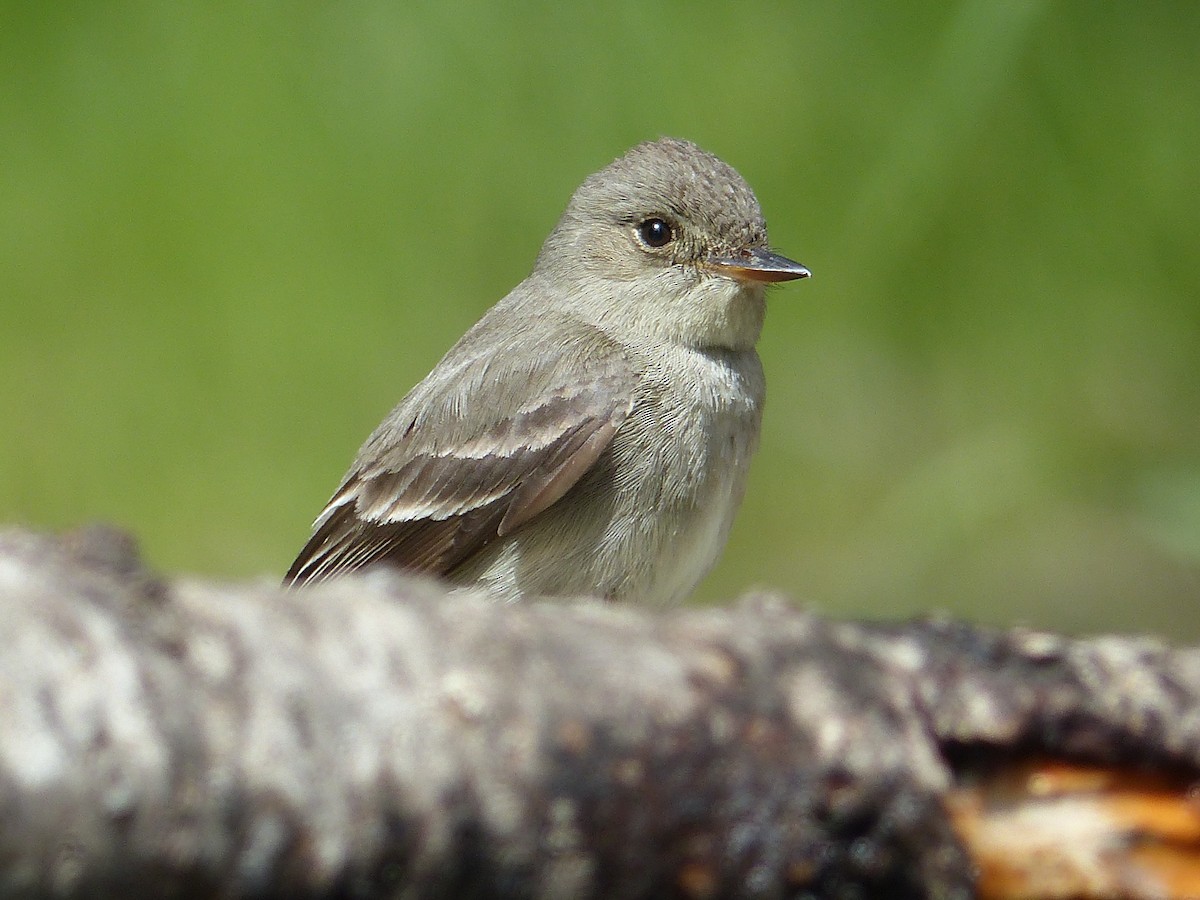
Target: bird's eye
{"x":655,"y":233}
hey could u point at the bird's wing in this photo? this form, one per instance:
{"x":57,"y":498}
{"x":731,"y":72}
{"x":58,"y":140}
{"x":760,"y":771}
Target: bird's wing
{"x":455,"y":467}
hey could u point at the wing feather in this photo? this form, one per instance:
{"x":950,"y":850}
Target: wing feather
{"x":424,"y":504}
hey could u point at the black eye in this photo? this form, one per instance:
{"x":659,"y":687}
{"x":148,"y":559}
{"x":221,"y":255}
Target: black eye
{"x":655,"y":233}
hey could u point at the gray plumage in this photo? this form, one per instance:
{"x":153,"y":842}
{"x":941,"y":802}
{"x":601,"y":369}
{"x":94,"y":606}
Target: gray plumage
{"x":592,"y":433}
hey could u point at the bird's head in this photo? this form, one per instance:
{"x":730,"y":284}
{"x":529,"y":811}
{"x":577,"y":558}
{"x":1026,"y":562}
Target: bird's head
{"x":667,"y":243}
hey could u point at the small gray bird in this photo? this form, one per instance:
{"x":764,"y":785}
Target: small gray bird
{"x":591,"y":434}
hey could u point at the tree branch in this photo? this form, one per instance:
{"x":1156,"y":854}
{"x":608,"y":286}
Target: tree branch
{"x":375,"y":737}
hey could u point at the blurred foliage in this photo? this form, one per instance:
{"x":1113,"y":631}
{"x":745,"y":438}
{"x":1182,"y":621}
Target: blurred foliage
{"x":234,"y":235}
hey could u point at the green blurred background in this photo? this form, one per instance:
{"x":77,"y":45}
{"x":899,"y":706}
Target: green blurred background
{"x":234,"y":234}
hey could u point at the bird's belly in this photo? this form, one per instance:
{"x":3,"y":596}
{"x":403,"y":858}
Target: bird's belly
{"x":654,"y":553}
{"x":691,"y":552}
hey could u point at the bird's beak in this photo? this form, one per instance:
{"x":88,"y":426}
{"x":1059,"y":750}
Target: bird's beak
{"x":759,"y":265}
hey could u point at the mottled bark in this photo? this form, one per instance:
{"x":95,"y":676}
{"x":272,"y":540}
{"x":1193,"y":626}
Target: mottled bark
{"x":374,"y":737}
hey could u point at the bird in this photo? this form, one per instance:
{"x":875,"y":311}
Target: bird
{"x":592,"y":433}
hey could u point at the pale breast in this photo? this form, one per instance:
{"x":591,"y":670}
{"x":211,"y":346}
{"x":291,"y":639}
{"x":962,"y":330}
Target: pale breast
{"x":652,"y":517}
{"x":712,"y":417}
